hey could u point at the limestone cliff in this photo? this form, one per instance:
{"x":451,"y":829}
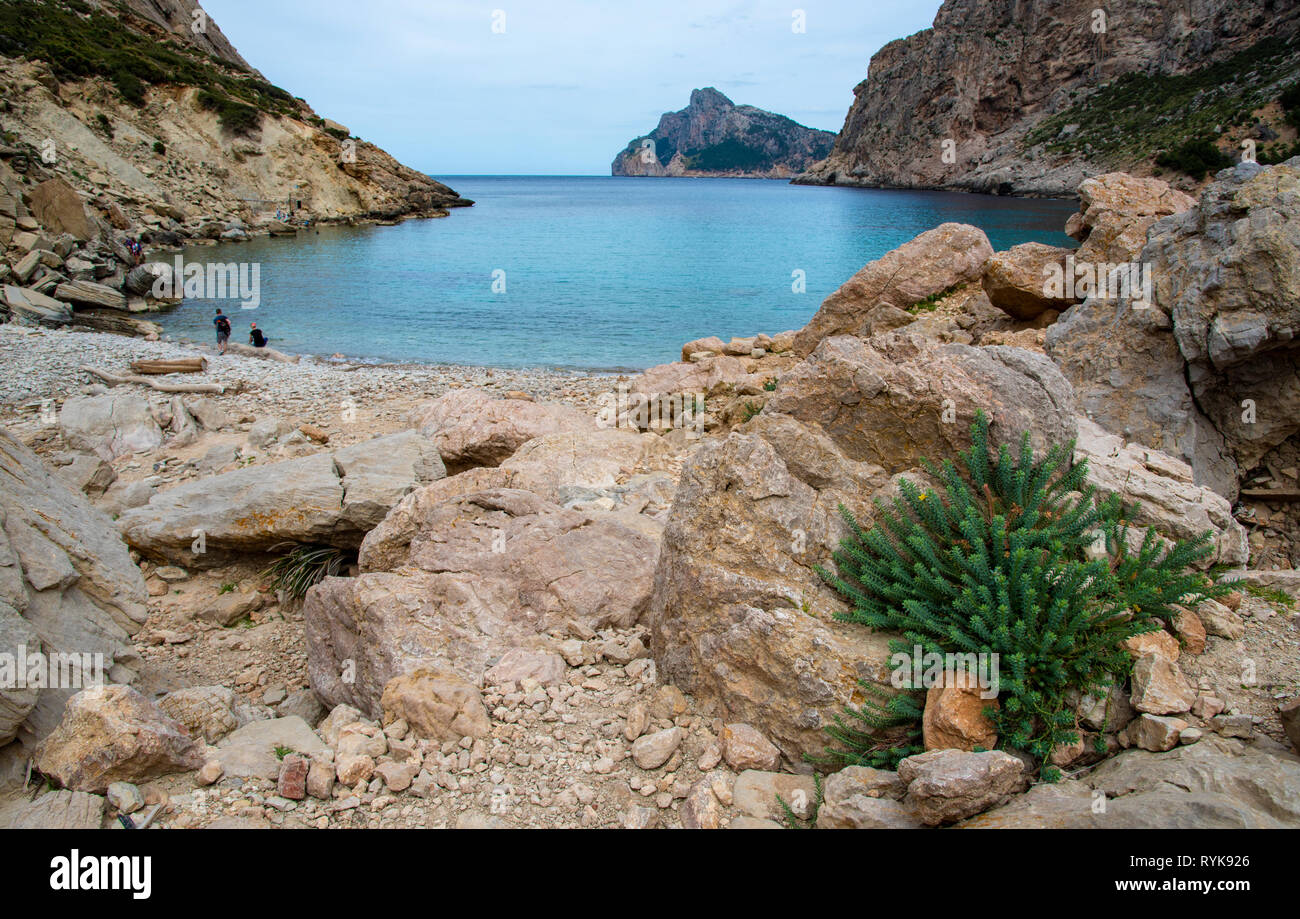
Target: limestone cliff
{"x":1031,"y":96}
{"x":713,"y":136}
{"x":143,"y":111}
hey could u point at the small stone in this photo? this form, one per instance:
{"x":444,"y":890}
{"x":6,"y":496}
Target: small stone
{"x":172,"y":574}
{"x":700,"y":810}
{"x":638,"y":719}
{"x":1241,"y":726}
{"x":653,"y":750}
{"x":640,"y":818}
{"x":1189,"y":736}
{"x":1159,"y":687}
{"x":1154,"y":732}
{"x":397,"y":776}
{"x":210,"y":774}
{"x":124,"y":797}
{"x":744,"y":747}
{"x":320,"y":779}
{"x":1191,"y":630}
{"x":292,"y":780}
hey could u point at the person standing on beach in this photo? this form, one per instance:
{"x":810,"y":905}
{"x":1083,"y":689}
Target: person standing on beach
{"x":255,"y":336}
{"x":222,"y":324}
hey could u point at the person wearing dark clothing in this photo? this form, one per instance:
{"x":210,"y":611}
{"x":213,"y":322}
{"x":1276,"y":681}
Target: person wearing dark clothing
{"x":255,"y":336}
{"x":222,"y":324}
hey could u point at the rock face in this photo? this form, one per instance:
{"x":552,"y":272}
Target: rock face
{"x":938,"y":260}
{"x":67,"y":586}
{"x":321,"y":498}
{"x":114,"y":734}
{"x":986,"y":73}
{"x":1207,"y":372}
{"x":463,"y":581}
{"x":1214,"y":783}
{"x":715,"y":137}
{"x":110,"y":425}
{"x":1163,"y":487}
{"x":288,"y":146}
{"x":471,"y":428}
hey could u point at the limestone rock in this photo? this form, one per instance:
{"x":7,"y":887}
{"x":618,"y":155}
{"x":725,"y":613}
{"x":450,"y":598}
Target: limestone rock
{"x":251,"y":750}
{"x":653,"y":750}
{"x":206,"y":711}
{"x":57,"y":810}
{"x":1159,"y":687}
{"x":112,"y":734}
{"x":67,"y":587}
{"x":944,"y":786}
{"x":56,"y":206}
{"x":471,"y":428}
{"x":937,"y":260}
{"x":954,"y":719}
{"x":518,"y":664}
{"x":745,"y":747}
{"x":1017,"y":281}
{"x":755,"y":794}
{"x":436,"y":704}
{"x":470,"y":579}
{"x":1153,"y":732}
{"x":110,"y":425}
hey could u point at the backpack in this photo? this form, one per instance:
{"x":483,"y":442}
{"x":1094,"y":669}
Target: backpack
{"x":223,"y":325}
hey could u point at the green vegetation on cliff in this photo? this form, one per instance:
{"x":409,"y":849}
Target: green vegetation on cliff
{"x":79,"y":42}
{"x":1138,"y":116}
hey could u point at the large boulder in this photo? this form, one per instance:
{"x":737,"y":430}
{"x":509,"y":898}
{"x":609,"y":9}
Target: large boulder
{"x":109,"y":425}
{"x":462,"y":581}
{"x":323,"y":498}
{"x":58,"y":208}
{"x":1018,"y":281}
{"x":113,"y":734}
{"x":739,"y":616}
{"x":472,"y":428}
{"x":1115,"y":212}
{"x":938,"y":260}
{"x":67,"y":586}
{"x":896,"y":406}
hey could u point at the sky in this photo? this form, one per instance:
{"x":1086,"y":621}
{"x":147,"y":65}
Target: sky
{"x":555,"y":87}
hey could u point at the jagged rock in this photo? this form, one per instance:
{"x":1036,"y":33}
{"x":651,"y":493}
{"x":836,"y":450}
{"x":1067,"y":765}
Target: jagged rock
{"x":88,"y":473}
{"x":1221,"y":621}
{"x":471,"y":428}
{"x":518,"y":664}
{"x":1017,"y":280}
{"x":1290,"y":714}
{"x":1159,"y":687}
{"x":944,"y":786}
{"x":1226,"y":273}
{"x":110,"y":425}
{"x":56,"y":206}
{"x":954,"y":719}
{"x":1110,"y":711}
{"x":314,"y":499}
{"x":67,"y":587}
{"x":29,"y":307}
{"x":437,"y":704}
{"x":1153,"y":732}
{"x":653,"y":750}
{"x":859,"y":797}
{"x":896,"y":406}
{"x":56,"y":810}
{"x":756,"y":792}
{"x":88,"y":293}
{"x":938,"y":260}
{"x":110,"y":734}
{"x":470,"y":578}
{"x":206,"y":711}
{"x":738,"y":614}
{"x":1163,"y":488}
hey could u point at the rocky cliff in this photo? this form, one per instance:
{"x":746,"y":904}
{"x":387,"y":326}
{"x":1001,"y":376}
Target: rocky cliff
{"x":1032,"y":96}
{"x":147,"y":107}
{"x":715,"y":137}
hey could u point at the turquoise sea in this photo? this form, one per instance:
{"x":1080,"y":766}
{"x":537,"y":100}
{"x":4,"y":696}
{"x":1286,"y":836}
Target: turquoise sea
{"x":586,"y":272}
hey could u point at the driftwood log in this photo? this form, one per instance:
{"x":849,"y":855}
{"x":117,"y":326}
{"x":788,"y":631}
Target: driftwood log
{"x":161,"y":366}
{"x":269,"y":354}
{"x":113,"y":379}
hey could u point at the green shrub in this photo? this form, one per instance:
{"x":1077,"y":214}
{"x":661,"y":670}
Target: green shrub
{"x":1195,"y":158}
{"x":994,"y":562}
{"x":235,"y":117}
{"x":160,"y":148}
{"x":303,"y":566}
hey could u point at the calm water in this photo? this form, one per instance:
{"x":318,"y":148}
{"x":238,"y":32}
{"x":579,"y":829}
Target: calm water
{"x":599,"y":272}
